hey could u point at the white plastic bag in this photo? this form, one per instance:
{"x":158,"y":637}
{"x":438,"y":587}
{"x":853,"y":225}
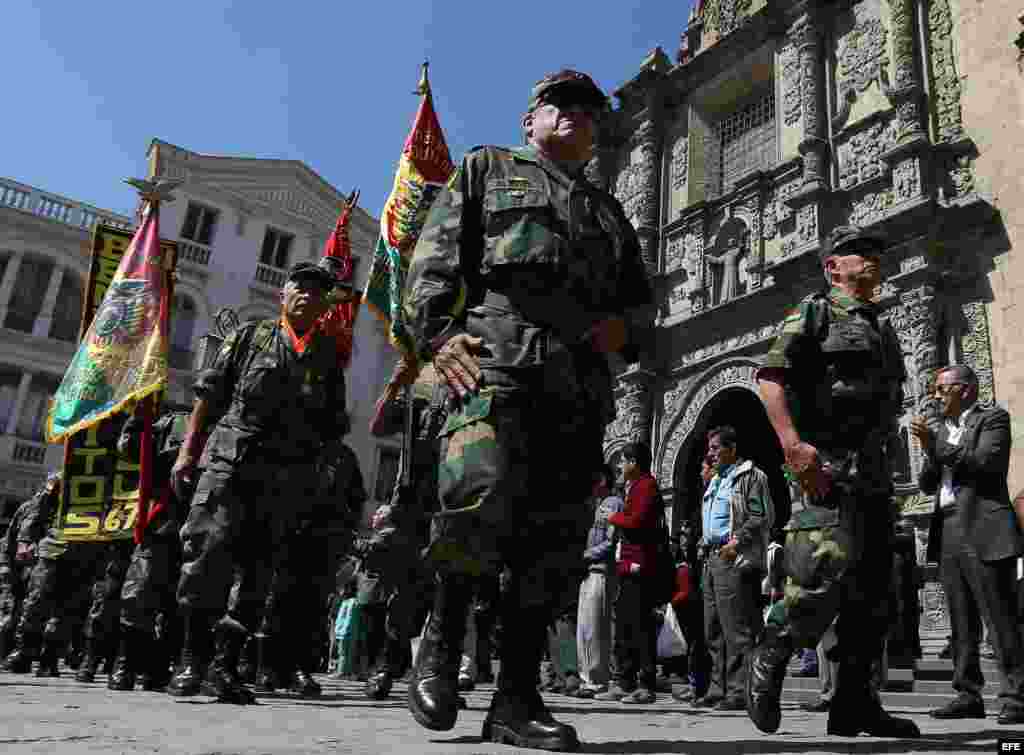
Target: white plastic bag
{"x":671,"y":643}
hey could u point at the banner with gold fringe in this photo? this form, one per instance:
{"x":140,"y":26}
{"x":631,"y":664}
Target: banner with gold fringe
{"x":122,"y":356}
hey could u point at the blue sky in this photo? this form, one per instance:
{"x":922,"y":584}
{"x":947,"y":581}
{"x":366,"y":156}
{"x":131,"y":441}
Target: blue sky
{"x":89,"y":84}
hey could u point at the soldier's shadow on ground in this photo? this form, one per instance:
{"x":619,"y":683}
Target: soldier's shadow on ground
{"x":977,"y":741}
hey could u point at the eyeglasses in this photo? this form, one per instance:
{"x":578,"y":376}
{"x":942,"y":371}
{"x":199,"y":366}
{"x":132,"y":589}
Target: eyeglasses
{"x":944,"y":388}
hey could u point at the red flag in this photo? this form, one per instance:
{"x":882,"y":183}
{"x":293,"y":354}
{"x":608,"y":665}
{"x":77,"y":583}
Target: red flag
{"x":339,"y":321}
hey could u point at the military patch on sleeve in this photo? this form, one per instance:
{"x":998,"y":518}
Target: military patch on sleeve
{"x":794,"y":320}
{"x":756,"y":507}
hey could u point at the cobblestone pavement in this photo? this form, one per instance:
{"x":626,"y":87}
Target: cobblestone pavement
{"x":62,"y":716}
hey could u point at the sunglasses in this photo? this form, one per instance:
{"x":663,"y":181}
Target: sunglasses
{"x":569,"y":100}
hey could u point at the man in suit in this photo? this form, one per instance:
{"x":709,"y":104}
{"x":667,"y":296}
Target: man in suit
{"x":976,"y":536}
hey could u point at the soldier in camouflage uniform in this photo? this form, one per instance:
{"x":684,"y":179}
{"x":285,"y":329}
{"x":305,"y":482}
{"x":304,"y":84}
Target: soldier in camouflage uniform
{"x":274,"y":398}
{"x":524,"y":278}
{"x":71,"y":584}
{"x":289,"y":641}
{"x":401,"y":529}
{"x":148,"y":588}
{"x":17,"y":557}
{"x":832,"y":388}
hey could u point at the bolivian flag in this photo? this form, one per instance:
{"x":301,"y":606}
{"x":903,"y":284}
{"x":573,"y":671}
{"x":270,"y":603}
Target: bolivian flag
{"x":423,"y":170}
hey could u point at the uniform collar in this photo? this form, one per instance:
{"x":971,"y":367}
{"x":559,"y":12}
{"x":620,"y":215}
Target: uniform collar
{"x":529,"y":153}
{"x":844,"y":300}
{"x":297,"y":343}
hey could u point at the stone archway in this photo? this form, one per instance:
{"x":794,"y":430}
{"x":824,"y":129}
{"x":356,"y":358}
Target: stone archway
{"x":678,"y":426}
{"x":724,"y":395}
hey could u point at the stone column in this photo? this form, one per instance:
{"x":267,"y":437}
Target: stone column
{"x":648,"y":138}
{"x":41,"y":327}
{"x":806,"y":38}
{"x":7,"y":284}
{"x":635,"y":405}
{"x":19,"y":403}
{"x":907,"y":94}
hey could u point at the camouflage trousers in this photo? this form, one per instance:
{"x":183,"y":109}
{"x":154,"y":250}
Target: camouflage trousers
{"x":13,"y":588}
{"x":516,"y":466}
{"x":295,"y":609}
{"x":149,"y":584}
{"x":77,"y":587}
{"x":839,"y":571}
{"x":235,"y":536}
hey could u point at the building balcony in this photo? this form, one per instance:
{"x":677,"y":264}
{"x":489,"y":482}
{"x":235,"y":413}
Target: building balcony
{"x":59,"y":209}
{"x":30,"y":453}
{"x":271,"y":277}
{"x":191,"y":252}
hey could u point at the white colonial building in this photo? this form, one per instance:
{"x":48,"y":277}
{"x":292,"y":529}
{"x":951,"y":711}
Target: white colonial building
{"x":239,"y":223}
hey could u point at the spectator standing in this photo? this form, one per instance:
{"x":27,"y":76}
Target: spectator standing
{"x":737,"y":514}
{"x":641,"y":524}
{"x":976,"y":536}
{"x":594,"y":624}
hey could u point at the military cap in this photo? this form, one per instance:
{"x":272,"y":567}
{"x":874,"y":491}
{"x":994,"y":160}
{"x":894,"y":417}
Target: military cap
{"x":566,"y":80}
{"x":317,"y":270}
{"x":852,"y":236}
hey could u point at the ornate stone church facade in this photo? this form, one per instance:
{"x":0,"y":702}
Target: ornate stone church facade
{"x":775,"y":123}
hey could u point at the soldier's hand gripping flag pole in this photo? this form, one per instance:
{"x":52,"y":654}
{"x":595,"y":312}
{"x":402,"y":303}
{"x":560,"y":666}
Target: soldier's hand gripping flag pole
{"x":121,"y":362}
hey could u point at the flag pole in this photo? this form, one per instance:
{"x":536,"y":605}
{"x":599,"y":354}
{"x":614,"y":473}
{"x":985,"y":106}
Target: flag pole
{"x":151,"y":194}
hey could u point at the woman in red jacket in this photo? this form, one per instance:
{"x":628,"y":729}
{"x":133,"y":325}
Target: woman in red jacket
{"x":640,"y":523}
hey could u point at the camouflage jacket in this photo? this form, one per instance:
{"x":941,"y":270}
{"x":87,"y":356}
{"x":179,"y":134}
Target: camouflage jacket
{"x":28,"y":525}
{"x":512,"y":223}
{"x":270,"y":401}
{"x":844,"y":373}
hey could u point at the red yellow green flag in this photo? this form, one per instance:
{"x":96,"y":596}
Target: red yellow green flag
{"x":423,"y":169}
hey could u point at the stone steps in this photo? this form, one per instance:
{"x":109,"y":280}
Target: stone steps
{"x":927,"y":685}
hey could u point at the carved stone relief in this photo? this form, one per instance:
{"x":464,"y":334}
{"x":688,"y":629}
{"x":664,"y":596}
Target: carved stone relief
{"x":675,"y":253}
{"x":725,"y":346}
{"x":907,"y":179}
{"x":680,"y":155}
{"x":790,"y":63}
{"x":723,"y":17}
{"x":961,"y":176}
{"x":860,"y":156}
{"x":632,"y":415}
{"x":871,"y":207}
{"x":807,"y":223}
{"x":861,"y":52}
{"x":977,"y":349}
{"x":901,"y":20}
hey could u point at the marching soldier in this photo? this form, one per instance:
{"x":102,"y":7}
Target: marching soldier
{"x":832,"y":388}
{"x":273,"y":399}
{"x":524,"y":278}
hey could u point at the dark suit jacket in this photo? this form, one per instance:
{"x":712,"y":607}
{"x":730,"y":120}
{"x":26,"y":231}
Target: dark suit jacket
{"x":979,"y":464}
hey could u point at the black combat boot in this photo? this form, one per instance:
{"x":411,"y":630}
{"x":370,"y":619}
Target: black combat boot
{"x":518,"y":715}
{"x":268,"y":677}
{"x":433,"y":689}
{"x":90,"y":662}
{"x":766,"y":671}
{"x":132,"y":645}
{"x":26,"y":650}
{"x":303,"y":684}
{"x":229,"y":636}
{"x":378,"y":686}
{"x":188,"y":679}
{"x":856,"y":708}
{"x":49,"y":658}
